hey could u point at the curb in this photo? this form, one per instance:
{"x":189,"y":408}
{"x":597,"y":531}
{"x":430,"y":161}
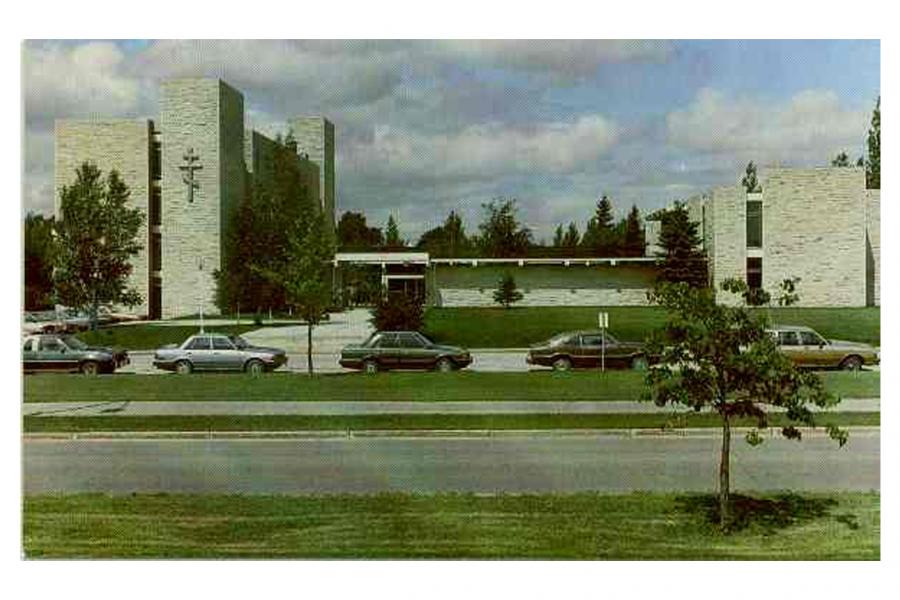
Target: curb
{"x":696,"y":432}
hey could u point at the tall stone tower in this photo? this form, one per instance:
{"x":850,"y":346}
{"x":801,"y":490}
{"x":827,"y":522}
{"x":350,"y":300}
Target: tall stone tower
{"x":315,"y":137}
{"x":202,"y":135}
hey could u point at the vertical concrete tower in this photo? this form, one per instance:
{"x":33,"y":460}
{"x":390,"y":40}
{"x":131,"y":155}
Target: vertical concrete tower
{"x":315,"y":137}
{"x":202,"y":136}
{"x":126,"y":146}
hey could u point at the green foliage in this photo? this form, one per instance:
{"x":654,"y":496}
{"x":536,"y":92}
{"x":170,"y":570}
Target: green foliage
{"x":750,"y":182}
{"x":633,"y":238}
{"x":841,"y":160}
{"x":502,"y":236}
{"x":392,"y":238}
{"x":96,"y":238}
{"x":682,"y":258}
{"x":873,"y":144}
{"x":600,"y":235}
{"x":572,"y":238}
{"x":720,"y":358}
{"x":506,"y":293}
{"x":354,"y":234}
{"x":398,"y":312}
{"x":38,"y":256}
{"x":448,"y":240}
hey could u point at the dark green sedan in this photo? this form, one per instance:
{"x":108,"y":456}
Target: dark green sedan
{"x":588,"y":349}
{"x":56,"y":352}
{"x":385,"y":350}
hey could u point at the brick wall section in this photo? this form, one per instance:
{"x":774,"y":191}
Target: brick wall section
{"x":873,"y":234}
{"x":814,"y":227}
{"x":206,"y":115}
{"x":315,"y":137}
{"x":120,"y":144}
{"x":728,"y":249}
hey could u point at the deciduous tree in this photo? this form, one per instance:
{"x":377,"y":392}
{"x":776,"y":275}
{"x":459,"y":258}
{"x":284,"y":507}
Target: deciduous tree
{"x":720,"y":358}
{"x":502,"y":236}
{"x":96,"y":239}
{"x":750,"y":182}
{"x":38,"y":251}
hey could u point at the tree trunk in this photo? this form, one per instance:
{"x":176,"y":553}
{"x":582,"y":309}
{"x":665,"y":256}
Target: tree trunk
{"x":724,"y":479}
{"x":309,"y":363}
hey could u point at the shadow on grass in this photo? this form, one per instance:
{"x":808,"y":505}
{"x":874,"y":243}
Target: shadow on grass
{"x":768,"y":514}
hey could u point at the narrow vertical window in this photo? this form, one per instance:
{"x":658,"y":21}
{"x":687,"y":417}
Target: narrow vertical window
{"x":754,"y":273}
{"x":754,"y":224}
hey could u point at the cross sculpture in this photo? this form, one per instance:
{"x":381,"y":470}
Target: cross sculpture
{"x":188,"y":168}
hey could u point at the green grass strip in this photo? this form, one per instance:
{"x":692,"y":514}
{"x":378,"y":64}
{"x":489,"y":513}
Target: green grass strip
{"x":400,"y":422}
{"x":639,"y":526}
{"x":411,"y":387}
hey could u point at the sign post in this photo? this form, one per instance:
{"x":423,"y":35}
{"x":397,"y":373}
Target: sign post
{"x":603,"y":321}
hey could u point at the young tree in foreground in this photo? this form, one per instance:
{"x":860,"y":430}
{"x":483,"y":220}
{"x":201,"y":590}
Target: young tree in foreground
{"x":96,"y":238}
{"x":721,"y":358}
{"x":304,"y":275}
{"x":507,"y":293}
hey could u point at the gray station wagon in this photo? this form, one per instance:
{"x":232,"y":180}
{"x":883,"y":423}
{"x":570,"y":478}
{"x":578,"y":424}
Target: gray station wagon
{"x":218,"y":352}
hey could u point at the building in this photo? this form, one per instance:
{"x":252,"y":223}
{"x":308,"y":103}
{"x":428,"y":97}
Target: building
{"x":187,"y":171}
{"x":315,"y":140}
{"x":820,"y":225}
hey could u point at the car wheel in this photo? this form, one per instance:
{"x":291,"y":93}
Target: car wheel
{"x":852,"y":363}
{"x":255,"y":367}
{"x":183,"y":367}
{"x":444,"y":365}
{"x":370,"y":366}
{"x":90,"y":368}
{"x":562,"y":364}
{"x":639,"y":363}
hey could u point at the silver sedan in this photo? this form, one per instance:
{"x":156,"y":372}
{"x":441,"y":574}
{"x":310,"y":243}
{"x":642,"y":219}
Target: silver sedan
{"x":218,"y":352}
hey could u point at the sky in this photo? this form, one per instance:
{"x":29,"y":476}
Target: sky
{"x":425,"y":127}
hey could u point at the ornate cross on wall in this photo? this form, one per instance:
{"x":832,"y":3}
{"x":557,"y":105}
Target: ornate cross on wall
{"x":188,"y":169}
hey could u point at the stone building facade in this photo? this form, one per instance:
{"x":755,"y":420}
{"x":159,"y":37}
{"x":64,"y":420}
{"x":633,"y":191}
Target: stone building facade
{"x":820,"y":225}
{"x":315,"y":139}
{"x":189,"y":177}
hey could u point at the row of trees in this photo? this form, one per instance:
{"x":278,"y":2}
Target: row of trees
{"x":501,"y":235}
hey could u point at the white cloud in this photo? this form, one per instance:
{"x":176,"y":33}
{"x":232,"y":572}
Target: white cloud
{"x":485,"y":151}
{"x":810,"y":127}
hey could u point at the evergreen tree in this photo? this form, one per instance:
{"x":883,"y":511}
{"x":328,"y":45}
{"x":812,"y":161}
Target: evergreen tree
{"x":96,"y":239}
{"x":446,"y":241}
{"x":502,"y":236}
{"x":507,"y":293}
{"x":392,"y":234}
{"x":841,"y":160}
{"x":558,"y":236}
{"x":682,"y":259}
{"x":750,"y":182}
{"x":634,"y":233}
{"x":873,"y":165}
{"x":600,"y":234}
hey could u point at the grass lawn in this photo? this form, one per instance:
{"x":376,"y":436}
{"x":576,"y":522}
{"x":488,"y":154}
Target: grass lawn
{"x":521,"y":327}
{"x":406,"y":422}
{"x":423,"y":387}
{"x":146,"y":336}
{"x":843,"y":526}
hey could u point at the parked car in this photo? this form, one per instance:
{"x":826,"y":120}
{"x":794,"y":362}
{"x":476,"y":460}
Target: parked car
{"x":806,"y":348}
{"x":61,"y":352}
{"x":385,"y":350}
{"x":218,"y":352}
{"x":586,"y":349}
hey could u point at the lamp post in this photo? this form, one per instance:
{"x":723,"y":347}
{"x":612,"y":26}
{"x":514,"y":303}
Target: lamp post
{"x":200,"y":287}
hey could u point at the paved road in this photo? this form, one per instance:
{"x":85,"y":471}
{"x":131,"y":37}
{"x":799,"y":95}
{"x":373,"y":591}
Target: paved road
{"x":125,"y":408}
{"x":514,"y":464}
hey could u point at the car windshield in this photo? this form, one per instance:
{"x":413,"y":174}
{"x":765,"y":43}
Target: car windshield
{"x":73,"y":342}
{"x":560,"y":339}
{"x":238,"y":342}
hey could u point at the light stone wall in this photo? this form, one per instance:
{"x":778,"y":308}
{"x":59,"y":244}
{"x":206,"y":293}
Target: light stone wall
{"x":450,"y":297}
{"x":814,"y":228}
{"x":206,"y":115}
{"x":120,"y":144}
{"x":315,"y":137}
{"x":727,"y":206}
{"x":259,"y":157}
{"x":651,"y":238}
{"x":873,"y":247}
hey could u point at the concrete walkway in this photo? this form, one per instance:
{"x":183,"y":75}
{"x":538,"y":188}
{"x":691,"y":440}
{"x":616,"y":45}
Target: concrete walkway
{"x":125,"y":408}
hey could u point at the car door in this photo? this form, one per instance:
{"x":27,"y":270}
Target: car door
{"x":30,"y":360}
{"x":224,"y":355}
{"x":199,"y":352}
{"x":54,"y":355}
{"x":413,"y":352}
{"x":789,"y":343}
{"x":816,"y":350}
{"x":385,"y":350}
